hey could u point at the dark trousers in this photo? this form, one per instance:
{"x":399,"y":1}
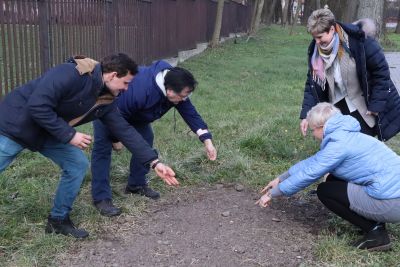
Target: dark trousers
{"x":342,"y":105}
{"x":333,"y":194}
{"x":101,"y":160}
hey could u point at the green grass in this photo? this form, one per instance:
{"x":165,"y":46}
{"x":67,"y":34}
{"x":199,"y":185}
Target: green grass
{"x":392,"y":42}
{"x":250,"y":94}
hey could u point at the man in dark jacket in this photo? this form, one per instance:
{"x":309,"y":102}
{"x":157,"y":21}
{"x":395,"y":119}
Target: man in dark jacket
{"x":155,"y":90}
{"x":41,"y":114}
{"x":347,"y":68}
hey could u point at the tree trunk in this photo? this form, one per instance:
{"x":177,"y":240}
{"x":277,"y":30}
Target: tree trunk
{"x":290,"y":12}
{"x":218,"y":23}
{"x":398,"y":23}
{"x":338,"y":7}
{"x":271,"y":12}
{"x":350,"y":13}
{"x":308,"y":9}
{"x":372,"y":9}
{"x":318,"y":4}
{"x":256,"y":19}
{"x":295,"y":17}
{"x":285,"y":7}
{"x":253,"y":16}
{"x":264,"y":14}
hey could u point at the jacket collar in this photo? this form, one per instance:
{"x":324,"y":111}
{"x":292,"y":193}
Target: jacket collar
{"x":160,"y":78}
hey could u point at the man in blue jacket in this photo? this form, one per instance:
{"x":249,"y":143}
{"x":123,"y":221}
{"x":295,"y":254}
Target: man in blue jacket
{"x":41,"y":116}
{"x":155,"y":90}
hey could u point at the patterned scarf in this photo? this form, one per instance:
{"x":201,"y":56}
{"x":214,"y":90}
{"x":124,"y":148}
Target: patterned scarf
{"x":323,"y":57}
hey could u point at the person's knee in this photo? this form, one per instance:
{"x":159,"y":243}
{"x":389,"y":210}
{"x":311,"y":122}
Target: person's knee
{"x":322,"y":190}
{"x":78,"y":167}
{"x":83,"y":163}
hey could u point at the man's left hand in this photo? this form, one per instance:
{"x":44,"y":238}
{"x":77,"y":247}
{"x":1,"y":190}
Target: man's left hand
{"x":210,"y":149}
{"x":166,"y":174}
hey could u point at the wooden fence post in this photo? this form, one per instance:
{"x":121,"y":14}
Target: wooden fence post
{"x":109,"y":27}
{"x":44,"y":34}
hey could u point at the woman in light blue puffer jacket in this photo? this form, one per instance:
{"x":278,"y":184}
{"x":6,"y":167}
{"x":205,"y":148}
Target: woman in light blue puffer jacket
{"x":363,"y":186}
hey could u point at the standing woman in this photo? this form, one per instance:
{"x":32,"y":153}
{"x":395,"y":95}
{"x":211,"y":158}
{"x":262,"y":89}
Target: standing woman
{"x":347,"y":68}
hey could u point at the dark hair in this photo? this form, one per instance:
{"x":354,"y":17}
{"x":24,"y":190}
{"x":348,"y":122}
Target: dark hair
{"x":179,"y":78}
{"x":120,"y":63}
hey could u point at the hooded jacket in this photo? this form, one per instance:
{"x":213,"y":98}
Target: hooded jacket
{"x":379,"y":92}
{"x":351,"y":156}
{"x":145,"y":101}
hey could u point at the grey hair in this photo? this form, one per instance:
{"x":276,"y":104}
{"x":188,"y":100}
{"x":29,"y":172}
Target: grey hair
{"x":320,"y":113}
{"x":320,"y":21}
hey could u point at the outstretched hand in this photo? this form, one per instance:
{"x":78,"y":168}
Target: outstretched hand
{"x":210,"y":149}
{"x":166,"y":174}
{"x":303,"y":127}
{"x":265,"y":199}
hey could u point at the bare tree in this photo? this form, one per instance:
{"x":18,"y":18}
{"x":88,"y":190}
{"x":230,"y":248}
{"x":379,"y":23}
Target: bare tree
{"x":398,"y":23}
{"x":270,"y":12}
{"x":218,"y":23}
{"x":372,"y":9}
{"x":318,"y":4}
{"x":296,"y":16}
{"x":285,"y":8}
{"x":338,"y":7}
{"x":256,"y":19}
{"x":350,"y":12}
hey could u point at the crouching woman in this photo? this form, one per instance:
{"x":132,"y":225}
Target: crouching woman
{"x":364,"y":182}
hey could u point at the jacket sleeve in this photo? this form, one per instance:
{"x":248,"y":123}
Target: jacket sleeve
{"x":193,"y":118}
{"x":309,"y":99}
{"x":310,"y":170}
{"x":128,"y":135}
{"x":54,"y":86}
{"x":378,"y":75}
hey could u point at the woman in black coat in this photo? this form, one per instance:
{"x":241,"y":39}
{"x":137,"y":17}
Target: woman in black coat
{"x":347,"y":68}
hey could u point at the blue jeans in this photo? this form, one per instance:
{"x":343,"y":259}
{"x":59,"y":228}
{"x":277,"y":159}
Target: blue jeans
{"x":101,"y":160}
{"x":69,"y":158}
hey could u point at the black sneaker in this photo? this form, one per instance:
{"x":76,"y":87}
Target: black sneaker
{"x":107,"y":208}
{"x":143,"y":190}
{"x":64,"y":227}
{"x":375,"y":240}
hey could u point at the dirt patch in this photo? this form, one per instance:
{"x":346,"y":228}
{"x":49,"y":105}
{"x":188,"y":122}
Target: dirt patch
{"x":208,"y":226}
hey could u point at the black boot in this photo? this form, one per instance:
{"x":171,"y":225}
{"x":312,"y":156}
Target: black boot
{"x":65,"y":227}
{"x":143,"y":190}
{"x":107,"y":208}
{"x":375,"y":240}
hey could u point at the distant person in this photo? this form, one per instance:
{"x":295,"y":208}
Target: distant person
{"x":41,"y":116}
{"x":347,"y":68}
{"x":154,"y":91}
{"x":365,"y":186}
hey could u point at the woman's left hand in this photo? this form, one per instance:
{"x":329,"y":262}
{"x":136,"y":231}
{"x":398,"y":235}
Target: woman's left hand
{"x":265,"y":200}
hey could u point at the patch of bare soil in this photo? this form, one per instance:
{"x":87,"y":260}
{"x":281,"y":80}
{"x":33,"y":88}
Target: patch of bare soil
{"x":208,"y":226}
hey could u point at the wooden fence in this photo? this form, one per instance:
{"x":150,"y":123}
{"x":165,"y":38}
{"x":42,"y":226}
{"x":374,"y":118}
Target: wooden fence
{"x":38,"y":34}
